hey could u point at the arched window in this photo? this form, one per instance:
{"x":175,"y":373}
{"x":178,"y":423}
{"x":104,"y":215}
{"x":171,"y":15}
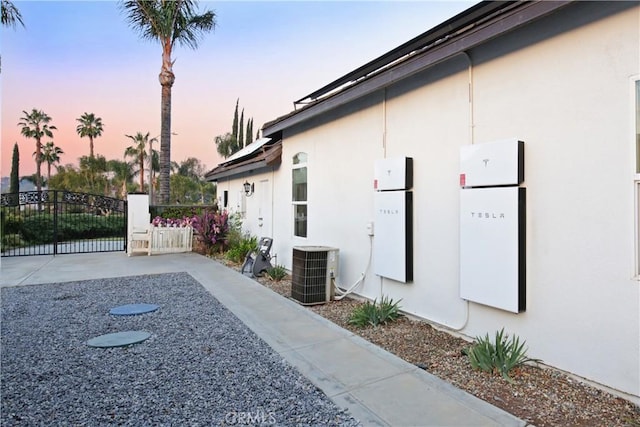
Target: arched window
{"x":299,"y":194}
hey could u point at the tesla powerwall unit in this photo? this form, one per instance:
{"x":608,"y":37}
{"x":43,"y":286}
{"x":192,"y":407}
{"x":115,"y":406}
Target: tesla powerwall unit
{"x":393,"y":216}
{"x":394,"y":173}
{"x":492,"y":164}
{"x":492,"y":247}
{"x":493,"y":225}
{"x":392,"y":244}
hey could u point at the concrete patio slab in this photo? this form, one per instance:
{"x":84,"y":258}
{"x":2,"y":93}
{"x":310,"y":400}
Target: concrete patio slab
{"x":377,"y":387}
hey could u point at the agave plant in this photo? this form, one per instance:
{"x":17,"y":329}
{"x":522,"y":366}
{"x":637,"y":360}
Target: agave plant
{"x":374,"y":313}
{"x":500,"y":356}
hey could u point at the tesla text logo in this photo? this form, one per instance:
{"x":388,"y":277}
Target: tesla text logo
{"x":389,"y":211}
{"x":487,"y":215}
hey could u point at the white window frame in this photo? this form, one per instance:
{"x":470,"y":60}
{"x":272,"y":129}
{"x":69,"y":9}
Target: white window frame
{"x":295,"y":203}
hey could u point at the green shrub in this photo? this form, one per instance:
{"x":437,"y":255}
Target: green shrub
{"x":277,"y":273}
{"x":38,"y":229}
{"x":12,"y":241}
{"x":177,"y":212}
{"x":500,"y":356}
{"x":374,"y":314}
{"x":238,"y":249}
{"x":88,"y":226}
{"x":235,"y":222}
{"x":234,"y":237}
{"x":12,"y":223}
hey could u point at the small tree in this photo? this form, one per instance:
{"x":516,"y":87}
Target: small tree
{"x":241,"y":131}
{"x":226,"y":144}
{"x":234,"y":126}
{"x":249,"y":132}
{"x":14,"y":183}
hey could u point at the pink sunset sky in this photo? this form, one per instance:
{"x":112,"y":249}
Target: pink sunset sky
{"x":79,"y":56}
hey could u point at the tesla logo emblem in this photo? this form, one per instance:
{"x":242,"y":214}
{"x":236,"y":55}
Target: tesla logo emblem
{"x":389,"y":172}
{"x":487,"y":215}
{"x":485,"y":162}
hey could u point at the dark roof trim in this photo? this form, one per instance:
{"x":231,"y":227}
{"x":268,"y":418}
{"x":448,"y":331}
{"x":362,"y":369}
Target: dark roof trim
{"x":270,"y":156}
{"x":470,"y":16}
{"x":519,"y":14}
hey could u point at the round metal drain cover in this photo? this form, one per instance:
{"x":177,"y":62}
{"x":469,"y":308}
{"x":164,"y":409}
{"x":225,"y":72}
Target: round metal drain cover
{"x":118,"y":339}
{"x":133,"y":309}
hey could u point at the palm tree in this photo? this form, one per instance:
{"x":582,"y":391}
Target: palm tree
{"x":122,"y":175}
{"x":168,"y":22}
{"x":139,"y":152}
{"x":10,"y":14}
{"x":90,"y":126}
{"x":50,"y":154}
{"x":36,"y":125}
{"x":154,"y":168}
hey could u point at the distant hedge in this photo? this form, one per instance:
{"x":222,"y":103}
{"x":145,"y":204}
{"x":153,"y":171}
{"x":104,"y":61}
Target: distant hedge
{"x":38,"y":229}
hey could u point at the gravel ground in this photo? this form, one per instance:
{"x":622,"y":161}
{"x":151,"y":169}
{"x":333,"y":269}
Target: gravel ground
{"x":201,"y":366}
{"x":540,"y":396}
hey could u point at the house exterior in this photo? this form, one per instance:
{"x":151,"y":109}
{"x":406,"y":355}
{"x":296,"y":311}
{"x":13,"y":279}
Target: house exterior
{"x":561,"y":77}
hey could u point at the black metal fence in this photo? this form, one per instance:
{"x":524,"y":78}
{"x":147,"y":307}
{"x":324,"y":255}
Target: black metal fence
{"x":52,"y":222}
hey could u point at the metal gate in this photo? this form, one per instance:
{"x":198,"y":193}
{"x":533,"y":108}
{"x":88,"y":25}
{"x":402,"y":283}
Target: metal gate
{"x":53,"y":222}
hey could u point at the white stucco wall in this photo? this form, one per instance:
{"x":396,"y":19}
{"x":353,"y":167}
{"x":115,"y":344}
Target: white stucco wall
{"x":339,"y":182}
{"x":254,"y":210}
{"x":572,"y":108}
{"x":562,"y":85}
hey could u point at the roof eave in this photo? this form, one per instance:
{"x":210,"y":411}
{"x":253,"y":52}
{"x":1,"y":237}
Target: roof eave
{"x":518,"y":16}
{"x":268,"y":159}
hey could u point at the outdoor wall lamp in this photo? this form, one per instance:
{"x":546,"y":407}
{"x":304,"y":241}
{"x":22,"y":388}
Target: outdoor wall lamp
{"x":248,"y":188}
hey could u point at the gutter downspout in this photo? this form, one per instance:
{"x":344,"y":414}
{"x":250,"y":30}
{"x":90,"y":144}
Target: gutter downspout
{"x":471,"y":116}
{"x":384,"y":156}
{"x":471,"y":141}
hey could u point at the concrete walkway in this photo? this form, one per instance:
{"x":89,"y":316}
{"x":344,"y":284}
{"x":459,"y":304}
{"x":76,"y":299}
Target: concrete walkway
{"x":377,"y":387}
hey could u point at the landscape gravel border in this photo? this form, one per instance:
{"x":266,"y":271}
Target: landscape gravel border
{"x":201,"y":365}
{"x":543,"y":397}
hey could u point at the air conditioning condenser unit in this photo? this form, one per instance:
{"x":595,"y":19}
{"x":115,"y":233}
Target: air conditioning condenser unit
{"x":314,"y":267}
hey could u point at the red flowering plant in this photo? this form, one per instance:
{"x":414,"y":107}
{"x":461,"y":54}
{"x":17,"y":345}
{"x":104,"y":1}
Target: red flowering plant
{"x":212,"y":228}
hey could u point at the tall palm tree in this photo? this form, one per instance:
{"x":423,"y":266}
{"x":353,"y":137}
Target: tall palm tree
{"x":36,"y":125}
{"x":139,"y":152}
{"x":154,"y":168}
{"x":90,"y":126}
{"x":50,"y":154}
{"x":10,"y":14}
{"x":168,"y":22}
